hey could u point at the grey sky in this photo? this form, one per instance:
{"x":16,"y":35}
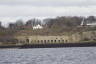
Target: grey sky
{"x":49,"y":2}
{"x":10,"y":10}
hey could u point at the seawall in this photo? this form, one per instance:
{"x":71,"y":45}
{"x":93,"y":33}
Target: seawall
{"x":89,"y":44}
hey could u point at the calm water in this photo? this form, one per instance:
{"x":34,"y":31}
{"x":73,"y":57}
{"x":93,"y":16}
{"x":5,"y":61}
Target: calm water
{"x":83,"y":55}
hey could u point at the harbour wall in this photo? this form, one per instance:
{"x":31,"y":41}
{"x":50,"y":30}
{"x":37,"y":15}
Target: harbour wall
{"x":73,"y":38}
{"x":47,"y":39}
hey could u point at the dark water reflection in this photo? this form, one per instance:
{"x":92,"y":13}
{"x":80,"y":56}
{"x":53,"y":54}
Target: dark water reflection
{"x":74,"y":55}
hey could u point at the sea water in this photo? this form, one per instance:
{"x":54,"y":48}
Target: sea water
{"x":70,"y":55}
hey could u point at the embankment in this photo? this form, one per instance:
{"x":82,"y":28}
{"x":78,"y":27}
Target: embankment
{"x":88,"y":44}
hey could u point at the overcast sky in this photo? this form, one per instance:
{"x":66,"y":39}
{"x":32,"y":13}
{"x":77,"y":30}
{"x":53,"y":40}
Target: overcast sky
{"x":11,"y":10}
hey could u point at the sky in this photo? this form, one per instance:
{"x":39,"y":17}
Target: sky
{"x":12,"y":10}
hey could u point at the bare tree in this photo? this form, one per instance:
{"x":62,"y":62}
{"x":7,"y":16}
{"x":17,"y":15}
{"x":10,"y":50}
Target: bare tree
{"x":33,"y":22}
{"x":19,"y":23}
{"x":0,"y":24}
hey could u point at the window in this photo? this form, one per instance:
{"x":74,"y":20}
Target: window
{"x":34,"y":40}
{"x":54,"y":40}
{"x":48,"y":41}
{"x":66,"y":40}
{"x":51,"y":40}
{"x":38,"y":41}
{"x":63,"y":41}
{"x":44,"y":41}
{"x":59,"y":41}
{"x":41,"y":41}
{"x":27,"y":40}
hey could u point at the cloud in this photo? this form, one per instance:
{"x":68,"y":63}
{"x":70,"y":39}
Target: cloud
{"x":41,"y":8}
{"x":49,"y":2}
{"x":10,"y":10}
{"x":46,"y":11}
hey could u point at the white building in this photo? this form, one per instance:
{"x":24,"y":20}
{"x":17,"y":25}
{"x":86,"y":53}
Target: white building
{"x":88,"y":23}
{"x":37,"y":27}
{"x":91,"y":24}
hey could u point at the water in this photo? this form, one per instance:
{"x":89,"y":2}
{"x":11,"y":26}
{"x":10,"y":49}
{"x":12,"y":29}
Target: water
{"x":74,"y":55}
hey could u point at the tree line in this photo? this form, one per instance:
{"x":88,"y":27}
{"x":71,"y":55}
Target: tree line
{"x":51,"y":25}
{"x":64,"y":21}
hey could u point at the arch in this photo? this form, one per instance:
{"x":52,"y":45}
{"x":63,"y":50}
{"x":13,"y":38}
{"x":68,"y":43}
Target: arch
{"x":38,"y":41}
{"x":48,"y":41}
{"x":27,"y":40}
{"x":51,"y":41}
{"x":55,"y":41}
{"x":41,"y":41}
{"x":62,"y":41}
{"x":58,"y":41}
{"x":34,"y":41}
{"x":66,"y":41}
{"x":45,"y":41}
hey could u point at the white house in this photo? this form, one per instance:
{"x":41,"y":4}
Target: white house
{"x":37,"y":27}
{"x":88,"y":23}
{"x":91,"y":24}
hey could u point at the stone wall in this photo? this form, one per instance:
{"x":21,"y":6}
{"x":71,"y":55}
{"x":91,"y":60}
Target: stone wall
{"x":47,"y":39}
{"x":73,"y":38}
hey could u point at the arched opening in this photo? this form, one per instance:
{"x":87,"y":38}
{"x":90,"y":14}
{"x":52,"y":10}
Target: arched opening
{"x":42,"y":41}
{"x":45,"y":41}
{"x":66,"y":41}
{"x":62,"y":41}
{"x":27,"y":40}
{"x":51,"y":41}
{"x":55,"y":41}
{"x":38,"y":41}
{"x":48,"y":41}
{"x":58,"y":41}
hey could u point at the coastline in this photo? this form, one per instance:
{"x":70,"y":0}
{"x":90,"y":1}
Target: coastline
{"x":25,"y":46}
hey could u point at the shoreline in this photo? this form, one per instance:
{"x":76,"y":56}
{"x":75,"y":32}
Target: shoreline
{"x":25,"y":46}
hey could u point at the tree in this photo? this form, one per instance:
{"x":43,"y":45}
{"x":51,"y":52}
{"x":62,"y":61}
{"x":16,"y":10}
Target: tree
{"x":33,"y":22}
{"x":63,"y":22}
{"x":19,"y":23}
{"x":91,"y":18}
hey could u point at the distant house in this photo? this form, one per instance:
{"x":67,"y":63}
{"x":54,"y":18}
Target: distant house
{"x":88,"y":23}
{"x":91,"y":24}
{"x":37,"y":27}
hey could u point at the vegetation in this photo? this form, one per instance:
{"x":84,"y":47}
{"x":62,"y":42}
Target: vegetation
{"x":52,"y":26}
{"x":65,"y":25}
